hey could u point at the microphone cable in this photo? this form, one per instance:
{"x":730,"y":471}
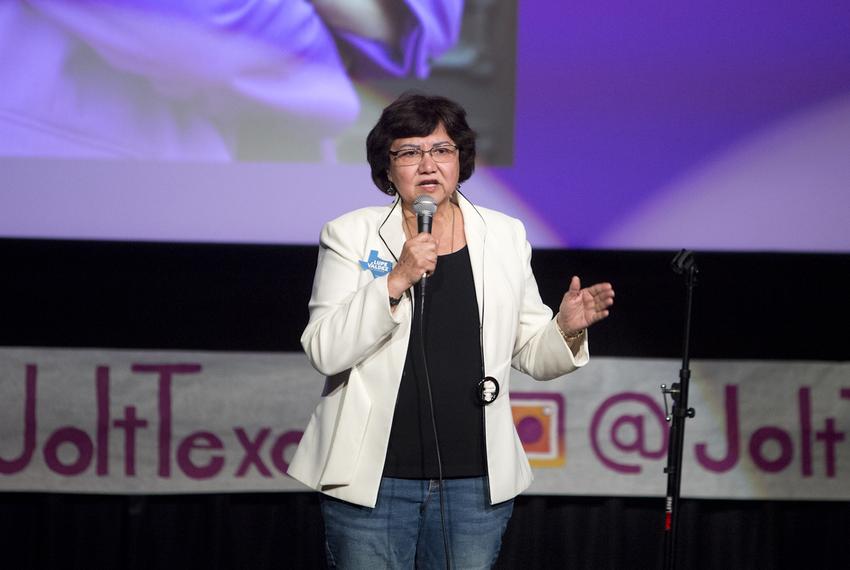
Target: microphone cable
{"x":446,"y":545}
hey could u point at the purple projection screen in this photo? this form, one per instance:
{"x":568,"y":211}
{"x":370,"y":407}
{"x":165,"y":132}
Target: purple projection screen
{"x":613,"y":124}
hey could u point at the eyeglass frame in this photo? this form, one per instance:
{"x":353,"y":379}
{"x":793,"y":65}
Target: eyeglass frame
{"x":394,"y":153}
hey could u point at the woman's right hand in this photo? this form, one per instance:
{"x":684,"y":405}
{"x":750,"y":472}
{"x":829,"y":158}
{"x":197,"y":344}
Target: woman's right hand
{"x":418,"y":257}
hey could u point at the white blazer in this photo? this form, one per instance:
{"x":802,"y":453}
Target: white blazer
{"x":360,"y":345}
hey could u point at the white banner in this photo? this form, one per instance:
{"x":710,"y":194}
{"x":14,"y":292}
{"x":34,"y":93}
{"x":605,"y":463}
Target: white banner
{"x":117,"y":421}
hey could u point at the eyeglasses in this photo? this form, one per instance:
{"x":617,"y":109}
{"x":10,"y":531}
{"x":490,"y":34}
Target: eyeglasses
{"x":411,"y":156}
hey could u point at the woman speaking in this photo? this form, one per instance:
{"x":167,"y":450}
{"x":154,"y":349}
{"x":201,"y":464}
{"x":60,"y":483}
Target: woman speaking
{"x":413,"y":443}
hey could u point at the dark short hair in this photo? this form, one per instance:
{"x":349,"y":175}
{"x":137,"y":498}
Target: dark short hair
{"x":418,"y":115}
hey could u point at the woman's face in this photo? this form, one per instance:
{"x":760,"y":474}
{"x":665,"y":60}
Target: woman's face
{"x":437,"y":179}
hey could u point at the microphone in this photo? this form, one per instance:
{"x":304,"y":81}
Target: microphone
{"x":425,"y":207}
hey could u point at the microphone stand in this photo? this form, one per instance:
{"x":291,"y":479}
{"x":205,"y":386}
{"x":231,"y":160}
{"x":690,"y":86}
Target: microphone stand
{"x":682,"y":264}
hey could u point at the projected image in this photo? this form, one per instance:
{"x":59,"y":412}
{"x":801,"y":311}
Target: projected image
{"x":612,"y":125}
{"x":200,"y":80}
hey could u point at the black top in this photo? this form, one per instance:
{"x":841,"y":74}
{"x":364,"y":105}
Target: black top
{"x":453,"y":353}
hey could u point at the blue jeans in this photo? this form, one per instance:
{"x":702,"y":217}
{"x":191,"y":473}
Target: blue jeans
{"x":404,"y":528}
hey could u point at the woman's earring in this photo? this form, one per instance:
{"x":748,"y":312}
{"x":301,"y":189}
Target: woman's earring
{"x":391,"y":189}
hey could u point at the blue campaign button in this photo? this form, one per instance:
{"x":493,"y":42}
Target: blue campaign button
{"x":376,"y":265}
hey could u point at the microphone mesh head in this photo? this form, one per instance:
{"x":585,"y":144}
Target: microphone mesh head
{"x":424,"y":205}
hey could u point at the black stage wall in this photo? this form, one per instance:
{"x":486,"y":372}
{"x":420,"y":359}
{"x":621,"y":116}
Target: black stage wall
{"x":253,"y":298}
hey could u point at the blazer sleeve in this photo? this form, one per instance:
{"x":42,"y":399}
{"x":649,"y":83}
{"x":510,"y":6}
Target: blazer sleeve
{"x":539,"y":349}
{"x":348,"y":320}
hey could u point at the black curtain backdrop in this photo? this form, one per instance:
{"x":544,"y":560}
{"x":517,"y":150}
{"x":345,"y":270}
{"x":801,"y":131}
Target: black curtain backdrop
{"x":215,"y":297}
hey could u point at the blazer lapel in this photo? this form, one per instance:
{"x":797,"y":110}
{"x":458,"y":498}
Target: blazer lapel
{"x":391,"y":230}
{"x":476,"y":236}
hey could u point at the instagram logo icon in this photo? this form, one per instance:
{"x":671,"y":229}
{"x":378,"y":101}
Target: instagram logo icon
{"x":539,"y":421}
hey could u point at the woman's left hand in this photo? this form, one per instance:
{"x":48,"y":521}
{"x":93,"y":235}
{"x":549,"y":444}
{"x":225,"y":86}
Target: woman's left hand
{"x":580,"y":308}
